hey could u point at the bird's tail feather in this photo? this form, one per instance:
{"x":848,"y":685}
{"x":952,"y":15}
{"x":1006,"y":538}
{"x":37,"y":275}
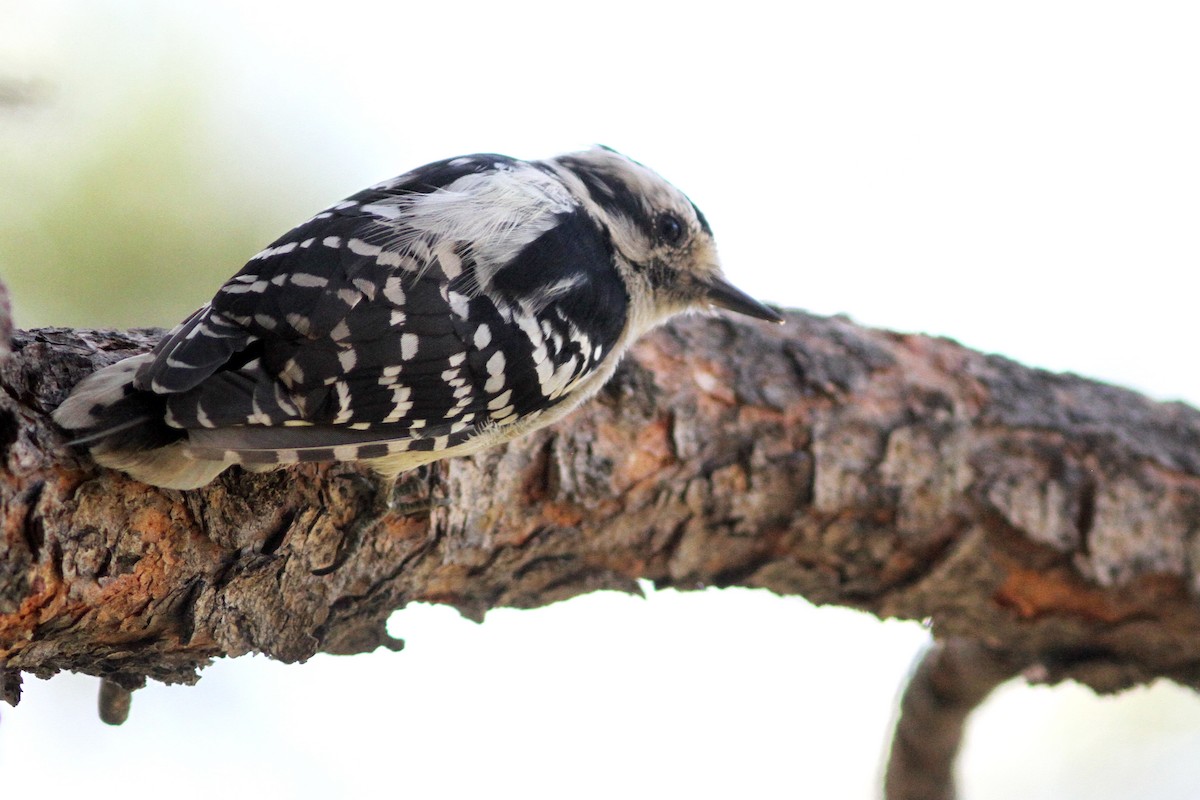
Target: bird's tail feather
{"x":105,"y":408}
{"x":123,"y":428}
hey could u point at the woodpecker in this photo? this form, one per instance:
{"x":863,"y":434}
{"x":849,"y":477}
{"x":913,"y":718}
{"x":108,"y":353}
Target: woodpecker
{"x":452,"y":308}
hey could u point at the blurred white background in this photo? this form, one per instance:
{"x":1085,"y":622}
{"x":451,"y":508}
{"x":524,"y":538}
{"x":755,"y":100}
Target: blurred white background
{"x":1023,"y":177}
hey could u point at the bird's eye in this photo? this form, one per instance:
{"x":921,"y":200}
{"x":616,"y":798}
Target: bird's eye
{"x":670,"y":229}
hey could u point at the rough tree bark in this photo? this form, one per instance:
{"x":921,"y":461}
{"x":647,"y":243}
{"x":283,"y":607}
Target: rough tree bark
{"x":1044,"y":524}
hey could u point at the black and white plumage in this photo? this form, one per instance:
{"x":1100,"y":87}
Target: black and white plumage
{"x":452,"y":308}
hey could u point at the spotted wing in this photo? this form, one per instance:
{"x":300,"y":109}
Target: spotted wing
{"x":336,"y":337}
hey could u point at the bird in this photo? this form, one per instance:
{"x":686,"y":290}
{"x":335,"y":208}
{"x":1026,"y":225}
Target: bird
{"x":452,"y":308}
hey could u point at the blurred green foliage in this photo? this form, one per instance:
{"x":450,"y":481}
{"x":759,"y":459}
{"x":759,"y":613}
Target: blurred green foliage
{"x":130,"y":221}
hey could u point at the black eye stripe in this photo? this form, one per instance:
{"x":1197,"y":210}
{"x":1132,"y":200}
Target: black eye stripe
{"x":619,"y":199}
{"x":612,"y":194}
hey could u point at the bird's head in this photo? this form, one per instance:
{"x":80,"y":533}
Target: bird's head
{"x":661,"y":239}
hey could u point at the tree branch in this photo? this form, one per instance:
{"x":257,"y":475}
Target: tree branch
{"x":1043,"y":517}
{"x":952,"y":678}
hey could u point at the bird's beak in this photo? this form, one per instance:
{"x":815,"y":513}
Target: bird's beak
{"x":720,"y":292}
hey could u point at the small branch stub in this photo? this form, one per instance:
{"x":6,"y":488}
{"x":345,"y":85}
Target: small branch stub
{"x":114,"y":702}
